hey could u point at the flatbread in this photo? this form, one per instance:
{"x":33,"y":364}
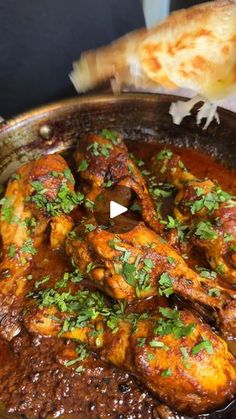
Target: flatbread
{"x":193,"y":48}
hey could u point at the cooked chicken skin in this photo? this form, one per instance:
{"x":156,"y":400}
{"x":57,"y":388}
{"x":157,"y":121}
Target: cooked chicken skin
{"x":107,"y":160}
{"x":24,"y":221}
{"x":188,"y":353}
{"x":173,"y":353}
{"x":209,"y":211}
{"x":138,"y":264}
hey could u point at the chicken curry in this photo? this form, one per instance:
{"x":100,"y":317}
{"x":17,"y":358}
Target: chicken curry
{"x":97,"y":323}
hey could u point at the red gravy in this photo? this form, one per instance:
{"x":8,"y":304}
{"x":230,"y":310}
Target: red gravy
{"x":34,"y":383}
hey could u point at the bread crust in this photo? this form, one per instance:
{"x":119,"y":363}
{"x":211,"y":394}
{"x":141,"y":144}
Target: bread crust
{"x":193,"y":48}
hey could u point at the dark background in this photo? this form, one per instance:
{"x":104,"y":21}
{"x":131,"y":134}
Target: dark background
{"x":180,"y":4}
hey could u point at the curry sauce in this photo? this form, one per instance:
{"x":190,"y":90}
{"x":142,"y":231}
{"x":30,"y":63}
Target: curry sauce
{"x":34,"y":381}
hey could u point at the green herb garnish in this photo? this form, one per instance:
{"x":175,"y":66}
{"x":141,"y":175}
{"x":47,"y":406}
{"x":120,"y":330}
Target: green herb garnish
{"x":12,"y":250}
{"x":167,"y":373}
{"x":83,"y":166}
{"x":205,"y":231}
{"x":165,"y":285}
{"x":205,"y":344}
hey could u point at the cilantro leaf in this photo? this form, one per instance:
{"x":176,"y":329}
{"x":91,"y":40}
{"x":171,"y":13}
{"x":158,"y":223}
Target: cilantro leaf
{"x":206,"y":231}
{"x":205,"y":344}
{"x":164,"y":154}
{"x":165,"y":285}
{"x":167,"y":373}
{"x":83,"y":166}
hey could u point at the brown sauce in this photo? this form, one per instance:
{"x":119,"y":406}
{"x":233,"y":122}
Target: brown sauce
{"x":200,"y":164}
{"x":34,"y":383}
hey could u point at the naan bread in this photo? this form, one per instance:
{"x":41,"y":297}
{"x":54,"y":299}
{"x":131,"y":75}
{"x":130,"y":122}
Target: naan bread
{"x":193,"y":48}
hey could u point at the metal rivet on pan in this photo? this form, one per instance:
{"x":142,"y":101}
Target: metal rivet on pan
{"x":45,"y":132}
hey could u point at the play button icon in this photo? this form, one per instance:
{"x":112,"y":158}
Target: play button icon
{"x":117,"y":209}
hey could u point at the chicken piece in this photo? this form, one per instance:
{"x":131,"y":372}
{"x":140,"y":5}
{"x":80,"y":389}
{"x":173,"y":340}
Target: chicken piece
{"x":161,"y":349}
{"x":209,"y":212}
{"x":139,"y":264}
{"x":194,"y":48}
{"x":61,"y":225}
{"x":103,"y":161}
{"x":37,"y":196}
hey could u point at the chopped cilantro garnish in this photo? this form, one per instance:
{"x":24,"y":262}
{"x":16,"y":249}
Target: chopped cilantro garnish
{"x":82,"y":352}
{"x":141,"y":342}
{"x":214,"y":292}
{"x":23,"y":261}
{"x":211,"y":200}
{"x":89,"y":227}
{"x":68,"y":175}
{"x":228,"y":237}
{"x":233,"y":247}
{"x":117,"y":268}
{"x":171,"y":222}
{"x":205,"y":231}
{"x":71,"y":362}
{"x":172,"y":324}
{"x":145,"y":172}
{"x":64,"y":202}
{"x":220,"y":269}
{"x":28,"y":247}
{"x":12,"y":251}
{"x":206,"y":273}
{"x":110,"y":135}
{"x":38,"y":186}
{"x":171,"y":260}
{"x":82,"y":355}
{"x":129,"y":272}
{"x":112,"y":323}
{"x":7,"y":210}
{"x":125,"y":252}
{"x":164,"y":154}
{"x":151,"y":245}
{"x":181,"y":164}
{"x":108,"y":183}
{"x":184,"y":351}
{"x":185,"y":356}
{"x":162,"y":193}
{"x":42,"y":281}
{"x":83,"y":166}
{"x":88,"y":203}
{"x":100,"y":149}
{"x":163,"y":169}
{"x":165,"y":285}
{"x":55,"y":174}
{"x":139,"y":163}
{"x":135,"y":207}
{"x":167,"y":373}
{"x":205,"y":344}
{"x":67,"y":277}
{"x":29,"y":222}
{"x":148,"y":263}
{"x":90,"y":266}
{"x":138,"y":278}
{"x":158,"y":344}
{"x":79,"y":369}
{"x":15,"y":176}
{"x":150,"y":356}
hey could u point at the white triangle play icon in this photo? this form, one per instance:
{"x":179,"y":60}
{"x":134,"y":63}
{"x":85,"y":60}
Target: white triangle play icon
{"x":116,"y":209}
